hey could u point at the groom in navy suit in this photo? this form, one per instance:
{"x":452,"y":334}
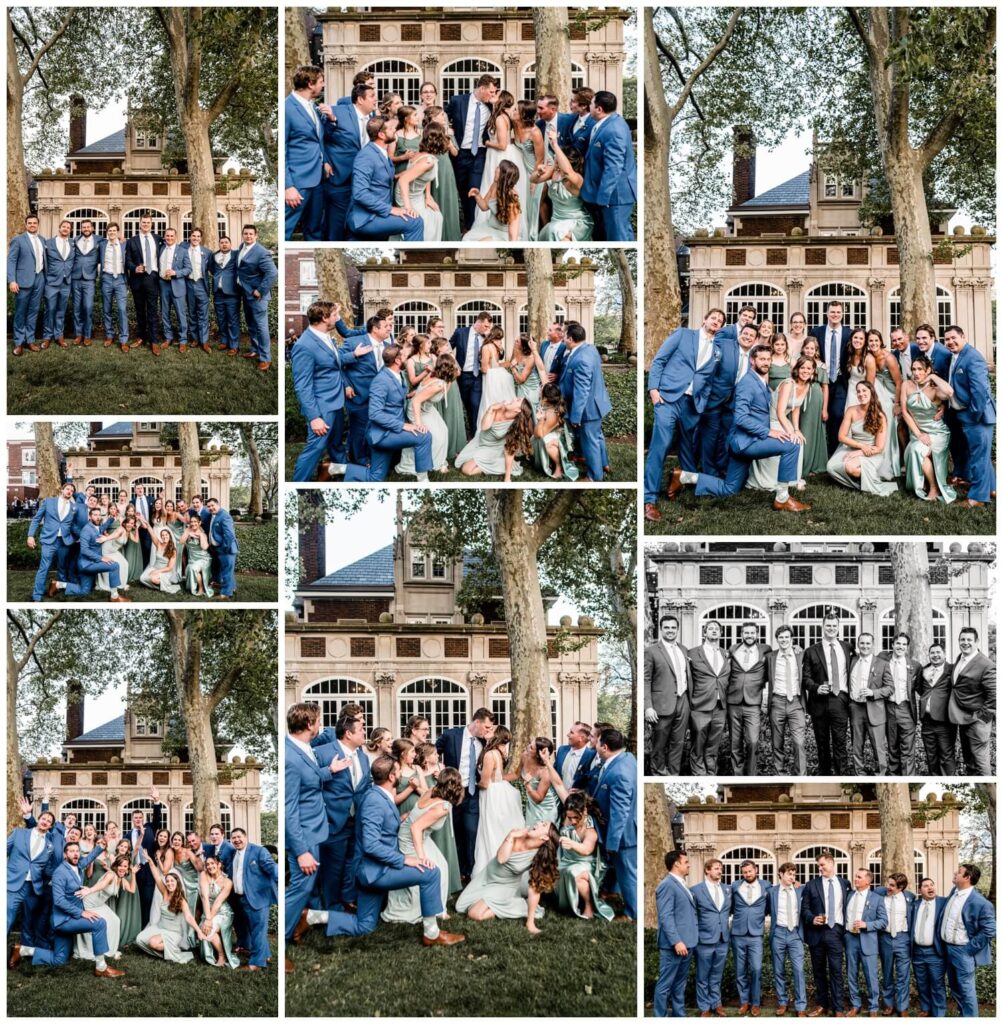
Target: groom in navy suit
{"x":468,"y":113}
{"x":833,"y":337}
{"x":372,"y":215}
{"x":342,"y":144}
{"x":466,"y":343}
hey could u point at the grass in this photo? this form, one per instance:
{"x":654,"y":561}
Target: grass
{"x":150,"y":988}
{"x":835,"y":510}
{"x":104,"y":381}
{"x":256,"y":587}
{"x":575,"y":968}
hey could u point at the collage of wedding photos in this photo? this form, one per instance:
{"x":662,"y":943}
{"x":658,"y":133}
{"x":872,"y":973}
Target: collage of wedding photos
{"x":563,"y":531}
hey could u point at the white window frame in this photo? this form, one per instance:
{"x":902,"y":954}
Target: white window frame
{"x":332,"y":700}
{"x":769,"y":299}
{"x":500,"y":702}
{"x":405,"y":79}
{"x":455,"y":79}
{"x":807,"y":866}
{"x":731,"y":625}
{"x":856,"y":305}
{"x":731,"y":860}
{"x":445,"y":707}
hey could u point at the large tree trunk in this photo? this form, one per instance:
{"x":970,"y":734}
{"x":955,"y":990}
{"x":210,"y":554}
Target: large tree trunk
{"x":913,"y":605}
{"x":895,"y":809}
{"x":17,"y":177}
{"x":297,"y":43}
{"x":553,"y":53}
{"x":46,"y":461}
{"x":629,"y":613}
{"x":657,"y":843}
{"x":988,"y":791}
{"x":539,"y":292}
{"x":251,"y":450}
{"x":191,"y":475}
{"x":628,"y":306}
{"x":332,"y":281}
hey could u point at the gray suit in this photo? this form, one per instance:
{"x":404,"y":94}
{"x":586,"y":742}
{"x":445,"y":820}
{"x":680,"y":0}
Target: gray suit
{"x":787,"y":712}
{"x":708,"y":709}
{"x":661,"y":693}
{"x":901,"y":725}
{"x":868,"y":717}
{"x":746,"y":693}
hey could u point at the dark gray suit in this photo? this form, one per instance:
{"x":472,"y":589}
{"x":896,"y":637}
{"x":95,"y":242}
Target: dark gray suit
{"x":708,"y":709}
{"x":746,"y":690}
{"x":661,"y":693}
{"x":939,"y":733}
{"x":789,"y":712}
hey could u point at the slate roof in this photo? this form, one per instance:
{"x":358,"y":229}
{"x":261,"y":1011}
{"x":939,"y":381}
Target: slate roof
{"x":110,"y":732}
{"x":793,"y":192}
{"x":120,"y":429}
{"x":114,"y":143}
{"x":373,"y":571}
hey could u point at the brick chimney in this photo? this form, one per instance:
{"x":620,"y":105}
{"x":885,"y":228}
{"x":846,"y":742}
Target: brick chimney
{"x":74,"y":709}
{"x":743,"y":164}
{"x":78,"y":123}
{"x":312,"y":546}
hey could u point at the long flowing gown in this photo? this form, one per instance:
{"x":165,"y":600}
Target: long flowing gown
{"x":567,"y":215}
{"x":527,"y":152}
{"x":432,"y":419}
{"x":432,"y":219}
{"x":500,"y":812}
{"x":853,"y":378}
{"x":497,"y":385}
{"x":177,"y":528}
{"x":114,"y":549}
{"x":447,"y":197}
{"x":499,"y":885}
{"x":530,"y":387}
{"x":572,"y":864}
{"x":870,"y":477}
{"x":190,"y":877}
{"x":763,"y":473}
{"x":222,"y":923}
{"x":816,"y":453}
{"x":405,"y":904}
{"x":174,"y":931}
{"x":452,"y":414}
{"x":489,"y":228}
{"x":159,"y":563}
{"x":492,"y":159}
{"x":546,"y":810}
{"x":134,"y":559}
{"x":83,"y":945}
{"x":129,"y":911}
{"x":487,"y":449}
{"x":199,"y":564}
{"x":445,"y":839}
{"x":923,"y":411}
{"x":885,"y":389}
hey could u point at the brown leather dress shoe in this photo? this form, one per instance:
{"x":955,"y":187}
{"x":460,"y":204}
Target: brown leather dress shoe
{"x":802,"y":1013}
{"x":706,"y":1013}
{"x":854,"y":1011}
{"x":108,"y":342}
{"x":88,"y":342}
{"x":206,"y":349}
{"x":109,"y":972}
{"x":183,"y":348}
{"x":652,"y":514}
{"x":120,"y":600}
{"x":887,"y":1011}
{"x":790,"y":505}
{"x":248,"y":355}
{"x":781,"y":1010}
{"x":817,"y":1011}
{"x":61,"y":342}
{"x":155,"y":349}
{"x":675,"y":484}
{"x":249,"y":967}
{"x":743,"y":1009}
{"x":32,"y":347}
{"x":222,"y":346}
{"x":52,"y":589}
{"x":300,"y":930}
{"x":78,"y":340}
{"x":229,"y":351}
{"x":443,"y":939}
{"x":136,"y":343}
{"x":290,"y":966}
{"x":956,"y":481}
{"x":754,"y":1011}
{"x":18,"y":349}
{"x":125,"y":348}
{"x":264,"y":367}
{"x":45,"y":344}
{"x":903,"y":1013}
{"x":972,"y":503}
{"x":15,"y":958}
{"x":720,"y":1011}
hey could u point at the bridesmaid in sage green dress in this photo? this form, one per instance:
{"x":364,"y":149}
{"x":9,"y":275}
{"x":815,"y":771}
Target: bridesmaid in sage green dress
{"x":528,"y":370}
{"x":419,"y":367}
{"x":452,"y":404}
{"x":408,"y":138}
{"x":170,"y":937}
{"x":505,"y":434}
{"x":411,"y":783}
{"x":160,"y":574}
{"x":133,"y":548}
{"x":580,"y":862}
{"x":780,"y":366}
{"x":437,"y":139}
{"x":529,"y":141}
{"x":926,"y":472}
{"x":127,"y":905}
{"x":569,"y":220}
{"x":176,"y":524}
{"x":542,"y":803}
{"x":188,"y":864}
{"x":217,"y":918}
{"x":856,"y":463}
{"x":816,"y":453}
{"x":502,"y":203}
{"x":198,"y":561}
{"x":427,"y":759}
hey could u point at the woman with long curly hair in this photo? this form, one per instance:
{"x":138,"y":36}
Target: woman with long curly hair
{"x":924,"y":396}
{"x":415,"y":179}
{"x":494,"y":892}
{"x":501,"y":146}
{"x":569,"y":221}
{"x":167,"y":938}
{"x":501,"y":218}
{"x":492,"y":451}
{"x":437,"y":140}
{"x":541,"y":797}
{"x":887,"y":384}
{"x":552,"y":439}
{"x":499,"y":802}
{"x":425,"y":408}
{"x":528,"y":369}
{"x":863,"y":434}
{"x":580,"y":861}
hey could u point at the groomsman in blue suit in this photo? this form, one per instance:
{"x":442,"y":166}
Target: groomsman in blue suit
{"x":926,"y":344}
{"x":678,"y":935}
{"x":359,"y":379}
{"x":824,"y":922}
{"x":894,"y":942}
{"x":226,"y":296}
{"x":60,"y":253}
{"x":971,"y":416}
{"x":85,"y":271}
{"x":553,"y":352}
{"x":306,"y":127}
{"x":319,"y":379}
{"x":372,"y":215}
{"x":718,"y":415}
{"x":468,"y":113}
{"x":609,"y":189}
{"x":57,"y":517}
{"x":256,"y":882}
{"x":787,"y":939}
{"x":616,"y":797}
{"x":218,"y":846}
{"x":388,"y":432}
{"x":466,"y":343}
{"x":967,"y":930}
{"x":751,"y":438}
{"x":749,"y":898}
{"x":865,"y":916}
{"x":92,"y":562}
{"x":712,"y":900}
{"x":26,"y":282}
{"x":223,"y":542}
{"x":256,"y":275}
{"x":305,"y":814}
{"x":111,"y":256}
{"x":197,"y":290}
{"x":679,"y":385}
{"x":833,"y":337}
{"x":584,"y":391}
{"x":929,"y":957}
{"x":174,"y":269}
{"x":29,"y":855}
{"x":573,"y":129}
{"x":142,"y":261}
{"x":343,"y":142}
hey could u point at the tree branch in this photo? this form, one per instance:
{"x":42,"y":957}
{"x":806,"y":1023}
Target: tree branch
{"x":33,"y":643}
{"x":228,"y":91}
{"x":712,"y":55}
{"x":229,"y":678}
{"x":671,"y":58}
{"x":553,"y":515}
{"x":63,"y":26}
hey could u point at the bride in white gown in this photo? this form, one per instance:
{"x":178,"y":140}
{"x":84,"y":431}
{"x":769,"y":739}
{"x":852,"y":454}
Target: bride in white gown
{"x":499,"y":801}
{"x":497,"y":382}
{"x":501,"y":145}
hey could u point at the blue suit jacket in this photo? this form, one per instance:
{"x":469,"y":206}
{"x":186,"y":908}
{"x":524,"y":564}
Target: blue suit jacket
{"x":674,"y":368}
{"x":257,"y":272}
{"x":222,"y":532}
{"x":225,"y":855}
{"x":21,"y":260}
{"x":91,"y":551}
{"x":774,"y":909}
{"x":318,"y":375}
{"x":939,"y":903}
{"x":47,"y":516}
{"x":566,"y":135}
{"x":338,"y":793}
{"x":65,"y":882}
{"x":306,"y":815}
{"x":941,"y":357}
{"x":19,"y":861}
{"x":557,"y":366}
{"x":617,"y":800}
{"x":362,"y":372}
{"x":749,"y":918}
{"x":713,"y":923}
{"x":722,"y":384}
{"x":972,"y":389}
{"x":387,"y":397}
{"x":588,"y":754}
{"x":224,"y":279}
{"x":450,"y":745}
{"x":610,"y":169}
{"x":206,"y":262}
{"x":182,"y":267}
{"x":583,"y":386}
{"x":57,"y":270}
{"x":377,"y":824}
{"x":103,"y":249}
{"x":752,"y":412}
{"x":304,"y":146}
{"x":342,"y":144}
{"x":85,"y":267}
{"x":372,"y":186}
{"x":875,"y":916}
{"x":261,"y":877}
{"x":677,"y":914}
{"x":980,"y":923}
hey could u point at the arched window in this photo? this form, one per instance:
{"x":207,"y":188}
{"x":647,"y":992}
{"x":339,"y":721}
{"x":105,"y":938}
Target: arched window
{"x":99,"y":218}
{"x":416,"y":314}
{"x":806,"y":624}
{"x":501,"y":703}
{"x":461,"y":76}
{"x":225,"y":819}
{"x":130,"y":222}
{"x":443,"y":702}
{"x":732,"y":864}
{"x":88,"y":812}
{"x":945,"y":310}
{"x":151,"y":484}
{"x":918,"y":868}
{"x":888,"y":631}
{"x":144,"y":804}
{"x":854,"y":301}
{"x":333,"y":694}
{"x":105,"y":485}
{"x":203,"y":490}
{"x":186,"y":226}
{"x":731,"y":617}
{"x":769,"y":300}
{"x":560,"y":315}
{"x":529,"y":79}
{"x":467,"y":312}
{"x":806,"y":861}
{"x":399,"y":76}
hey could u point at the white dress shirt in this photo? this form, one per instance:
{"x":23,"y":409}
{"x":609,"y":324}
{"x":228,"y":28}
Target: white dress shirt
{"x":112,"y":265}
{"x":36,"y":248}
{"x":898,"y":920}
{"x":855,"y":908}
{"x":900,"y":669}
{"x":926,"y":913}
{"x":715,"y":657}
{"x":63,"y":245}
{"x":835,"y":647}
{"x":85,"y":244}
{"x":36,"y":844}
{"x":747,"y":656}
{"x":472,"y":344}
{"x":238,"y":869}
{"x":167,"y":258}
{"x":465,"y":766}
{"x":195,"y":255}
{"x":305,"y":747}
{"x":860,"y":676}
{"x":678,"y":662}
{"x":705,"y":349}
{"x":952,"y":927}
{"x":716,"y":893}
{"x":570,"y":765}
{"x":468,"y":125}
{"x":750,"y":891}
{"x":837,"y":899}
{"x":788,"y":684}
{"x":149,"y":247}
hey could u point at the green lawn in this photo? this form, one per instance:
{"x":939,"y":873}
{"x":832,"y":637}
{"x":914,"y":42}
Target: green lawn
{"x":150,"y":988}
{"x":835,"y":510}
{"x":105,"y":381}
{"x":574,"y":969}
{"x":250,"y":587}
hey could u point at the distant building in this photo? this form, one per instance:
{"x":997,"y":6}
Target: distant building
{"x":22,"y":479}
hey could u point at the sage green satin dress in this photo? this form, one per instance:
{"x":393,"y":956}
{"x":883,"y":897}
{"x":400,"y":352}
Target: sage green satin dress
{"x":923,"y":411}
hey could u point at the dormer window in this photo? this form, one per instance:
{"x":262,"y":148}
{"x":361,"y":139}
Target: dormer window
{"x":417,"y":567}
{"x":147,"y":727}
{"x":146,"y":138}
{"x":836,"y":187}
{"x":438,"y":569}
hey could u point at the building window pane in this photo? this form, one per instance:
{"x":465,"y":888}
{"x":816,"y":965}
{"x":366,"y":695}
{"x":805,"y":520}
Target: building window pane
{"x":333,"y":694}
